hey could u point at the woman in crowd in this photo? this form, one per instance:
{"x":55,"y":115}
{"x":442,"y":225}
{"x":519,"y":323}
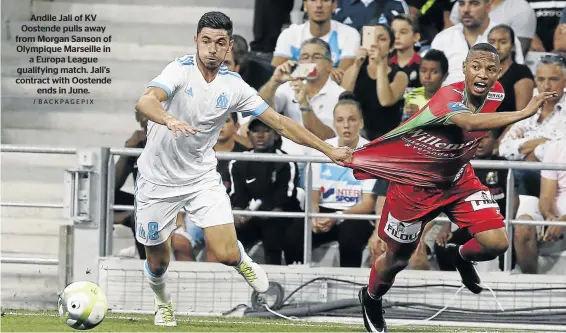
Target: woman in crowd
{"x":378,"y":85}
{"x":516,"y":79}
{"x":335,"y":190}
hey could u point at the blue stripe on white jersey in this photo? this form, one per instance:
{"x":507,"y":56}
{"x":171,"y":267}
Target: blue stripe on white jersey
{"x":187,"y":60}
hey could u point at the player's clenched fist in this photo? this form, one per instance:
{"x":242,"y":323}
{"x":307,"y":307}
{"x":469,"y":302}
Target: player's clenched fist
{"x":341,"y":155}
{"x":175,"y":125}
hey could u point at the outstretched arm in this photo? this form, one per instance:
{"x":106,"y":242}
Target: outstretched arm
{"x":294,"y":131}
{"x":488,"y":121}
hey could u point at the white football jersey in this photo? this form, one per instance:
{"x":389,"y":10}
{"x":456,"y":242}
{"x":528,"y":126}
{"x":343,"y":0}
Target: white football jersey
{"x":177,"y":161}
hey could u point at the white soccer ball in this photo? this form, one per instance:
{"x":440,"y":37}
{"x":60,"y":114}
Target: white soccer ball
{"x":83,"y":305}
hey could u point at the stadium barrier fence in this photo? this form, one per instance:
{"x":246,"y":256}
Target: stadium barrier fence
{"x":90,"y":187}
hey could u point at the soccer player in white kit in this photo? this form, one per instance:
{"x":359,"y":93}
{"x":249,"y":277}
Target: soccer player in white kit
{"x":187,"y":105}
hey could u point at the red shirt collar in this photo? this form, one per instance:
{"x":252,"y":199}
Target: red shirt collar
{"x":415,"y":59}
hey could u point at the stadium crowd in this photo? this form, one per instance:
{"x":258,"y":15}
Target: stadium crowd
{"x":362,"y":90}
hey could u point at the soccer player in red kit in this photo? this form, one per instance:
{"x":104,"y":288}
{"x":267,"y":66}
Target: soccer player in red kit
{"x":426,"y":159}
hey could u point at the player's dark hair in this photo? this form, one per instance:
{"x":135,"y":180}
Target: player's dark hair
{"x":483,"y":47}
{"x":439,"y":57}
{"x":349,"y":98}
{"x":321,"y":43}
{"x":511,"y":35}
{"x":413,"y":23}
{"x":215,"y":20}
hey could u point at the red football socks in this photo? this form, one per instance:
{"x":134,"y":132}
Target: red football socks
{"x":473,"y":251}
{"x":377,"y":287}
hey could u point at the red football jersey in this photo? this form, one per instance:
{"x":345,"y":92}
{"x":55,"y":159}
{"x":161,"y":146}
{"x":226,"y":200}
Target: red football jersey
{"x":427,"y":149}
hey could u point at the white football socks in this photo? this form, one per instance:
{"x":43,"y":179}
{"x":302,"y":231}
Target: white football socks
{"x":157,"y":284}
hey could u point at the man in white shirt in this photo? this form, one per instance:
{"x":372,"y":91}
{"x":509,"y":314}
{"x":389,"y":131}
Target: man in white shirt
{"x":187,"y":106}
{"x":310,"y":103}
{"x":344,"y":40}
{"x":456,"y":41}
{"x":526,"y":139}
{"x":518,"y":14}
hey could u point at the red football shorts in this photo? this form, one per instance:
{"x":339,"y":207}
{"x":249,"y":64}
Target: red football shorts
{"x":468,"y":203}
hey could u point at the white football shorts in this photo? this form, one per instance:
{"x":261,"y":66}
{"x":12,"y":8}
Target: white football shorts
{"x":157,"y":206}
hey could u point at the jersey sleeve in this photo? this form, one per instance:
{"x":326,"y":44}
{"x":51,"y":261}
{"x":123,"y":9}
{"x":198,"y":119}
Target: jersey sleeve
{"x":249,"y":103}
{"x":445,"y":104}
{"x":171,"y":78}
{"x":284,"y":43}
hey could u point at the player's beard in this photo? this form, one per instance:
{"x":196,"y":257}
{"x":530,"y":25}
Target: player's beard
{"x":206,"y":63}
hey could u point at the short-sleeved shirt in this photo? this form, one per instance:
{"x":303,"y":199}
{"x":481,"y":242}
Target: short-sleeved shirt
{"x":322,"y":104}
{"x":344,"y":41}
{"x":548,"y":16}
{"x":180,"y":160}
{"x":411,"y":69}
{"x":338,"y":188}
{"x":357,"y":13}
{"x":555,"y":153}
{"x":518,"y":14}
{"x":452,"y":42}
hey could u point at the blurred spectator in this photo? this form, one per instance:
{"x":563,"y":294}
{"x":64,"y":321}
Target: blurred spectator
{"x":265,"y":186}
{"x":548,"y":17}
{"x":406,"y":37}
{"x":227,"y":143}
{"x":518,"y":14}
{"x":335,"y":190}
{"x":378,"y":85}
{"x":269,"y":18}
{"x":188,"y":239}
{"x":532,"y":241}
{"x":516,"y":79}
{"x":342,"y":39}
{"x":432,"y":17}
{"x":432,"y":72}
{"x":237,"y":61}
{"x":560,"y":35}
{"x":253,"y":69}
{"x":456,"y":40}
{"x":125,"y":167}
{"x":309,"y":103}
{"x":238,"y":58}
{"x":496,"y":181}
{"x":527,"y":139}
{"x":357,"y":13}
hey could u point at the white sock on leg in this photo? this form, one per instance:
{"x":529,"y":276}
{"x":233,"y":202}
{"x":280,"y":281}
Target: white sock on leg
{"x":157,"y":284}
